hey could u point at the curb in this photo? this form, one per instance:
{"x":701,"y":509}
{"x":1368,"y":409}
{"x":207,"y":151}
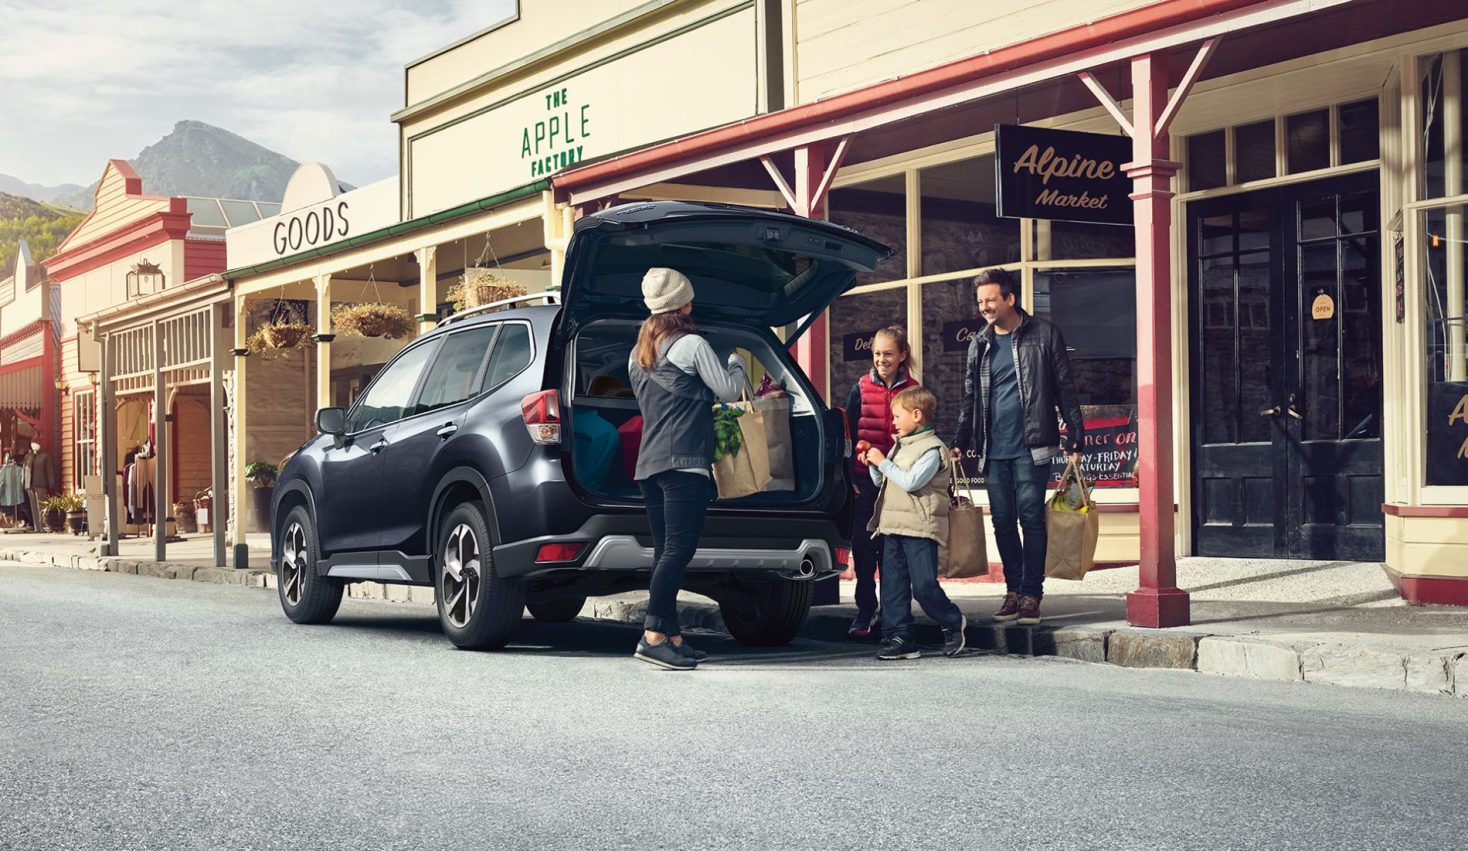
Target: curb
{"x":1439,"y":673}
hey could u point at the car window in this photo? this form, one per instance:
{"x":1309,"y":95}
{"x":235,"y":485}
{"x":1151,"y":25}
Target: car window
{"x":451,"y":378}
{"x":512,"y":353}
{"x":390,"y":393}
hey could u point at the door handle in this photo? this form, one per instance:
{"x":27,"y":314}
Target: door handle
{"x":377,"y":447}
{"x":448,"y":430}
{"x":1270,"y":412}
{"x":1292,"y":410}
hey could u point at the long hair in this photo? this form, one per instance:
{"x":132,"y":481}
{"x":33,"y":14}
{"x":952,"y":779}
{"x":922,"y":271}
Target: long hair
{"x":899,"y":339}
{"x":654,"y":329}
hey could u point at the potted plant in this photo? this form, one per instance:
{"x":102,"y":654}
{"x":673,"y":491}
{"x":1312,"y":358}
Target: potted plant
{"x":273,"y":338}
{"x":372,"y":319}
{"x":64,"y":510}
{"x":261,"y":475}
{"x":478,"y":286}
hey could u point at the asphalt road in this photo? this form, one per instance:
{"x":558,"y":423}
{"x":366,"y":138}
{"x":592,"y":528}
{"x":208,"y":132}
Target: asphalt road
{"x":138,"y":713}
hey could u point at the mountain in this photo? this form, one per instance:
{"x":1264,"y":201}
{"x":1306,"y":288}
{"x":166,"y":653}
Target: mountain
{"x":37,"y":192}
{"x":195,"y":159}
{"x":43,"y":226}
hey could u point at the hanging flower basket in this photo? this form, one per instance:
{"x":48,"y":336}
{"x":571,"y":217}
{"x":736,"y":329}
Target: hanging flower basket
{"x":372,"y":320}
{"x":479,"y":286}
{"x":279,"y":337}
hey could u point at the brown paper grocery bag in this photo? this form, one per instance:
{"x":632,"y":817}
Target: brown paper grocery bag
{"x":746,"y":471}
{"x":966,"y":552}
{"x":776,"y":411}
{"x":1071,"y":530}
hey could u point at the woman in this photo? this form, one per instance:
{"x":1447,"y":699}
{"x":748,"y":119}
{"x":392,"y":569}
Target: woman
{"x":675,"y":377}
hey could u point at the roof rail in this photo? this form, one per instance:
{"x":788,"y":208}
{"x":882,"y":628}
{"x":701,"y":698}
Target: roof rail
{"x":552,"y":297}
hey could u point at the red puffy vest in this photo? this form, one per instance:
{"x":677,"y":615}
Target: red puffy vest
{"x":875,"y":423}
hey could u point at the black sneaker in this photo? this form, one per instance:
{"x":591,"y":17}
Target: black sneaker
{"x":690,"y":652}
{"x":664,"y":655}
{"x":954,"y":640}
{"x":898,"y":648}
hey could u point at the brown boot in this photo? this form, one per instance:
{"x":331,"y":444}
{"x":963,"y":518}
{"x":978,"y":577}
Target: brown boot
{"x":1010,"y":610}
{"x":1029,"y":610}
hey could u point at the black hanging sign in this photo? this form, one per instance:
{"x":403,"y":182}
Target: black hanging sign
{"x":957,"y":334}
{"x":1061,"y":174}
{"x":855,"y":347}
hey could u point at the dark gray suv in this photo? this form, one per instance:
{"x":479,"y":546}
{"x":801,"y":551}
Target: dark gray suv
{"x":489,"y":458}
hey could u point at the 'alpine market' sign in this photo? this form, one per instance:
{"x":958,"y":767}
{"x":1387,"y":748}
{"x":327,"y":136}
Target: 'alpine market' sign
{"x":1061,"y":174}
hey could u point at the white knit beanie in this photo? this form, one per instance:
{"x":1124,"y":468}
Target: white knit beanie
{"x":665,"y":290}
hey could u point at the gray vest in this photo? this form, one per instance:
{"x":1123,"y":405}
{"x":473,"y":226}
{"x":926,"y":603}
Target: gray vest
{"x":677,"y":417}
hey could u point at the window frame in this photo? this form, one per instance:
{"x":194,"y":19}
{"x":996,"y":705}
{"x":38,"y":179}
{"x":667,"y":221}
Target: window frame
{"x":534,"y":353}
{"x":84,"y":450}
{"x":496,"y":328}
{"x":412,"y":395}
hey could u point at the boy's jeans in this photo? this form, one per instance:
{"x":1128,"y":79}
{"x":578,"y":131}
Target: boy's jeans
{"x":910,"y":569}
{"x":1016,"y":489}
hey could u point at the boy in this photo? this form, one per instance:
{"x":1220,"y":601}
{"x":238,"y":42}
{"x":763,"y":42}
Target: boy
{"x":912,"y":512}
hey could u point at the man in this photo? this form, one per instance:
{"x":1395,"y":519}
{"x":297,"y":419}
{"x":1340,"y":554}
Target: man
{"x":40,"y":481}
{"x":1017,"y":377}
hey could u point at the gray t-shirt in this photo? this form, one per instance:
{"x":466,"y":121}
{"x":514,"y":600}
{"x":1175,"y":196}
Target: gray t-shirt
{"x":1006,"y":419}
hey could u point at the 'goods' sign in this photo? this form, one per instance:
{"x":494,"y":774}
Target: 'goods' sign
{"x":1061,"y":174}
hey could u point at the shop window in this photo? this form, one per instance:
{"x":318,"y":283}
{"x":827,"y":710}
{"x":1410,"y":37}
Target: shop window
{"x":1442,"y":82}
{"x":959,"y":229}
{"x":1207,"y":161}
{"x":1307,"y":141}
{"x":853,"y":321}
{"x":1358,"y":131}
{"x":1096,"y":312}
{"x":877,"y":209}
{"x":948,"y":322}
{"x":1254,"y":152}
{"x":84,"y":436}
{"x":1055,"y":240}
{"x":1446,"y":291}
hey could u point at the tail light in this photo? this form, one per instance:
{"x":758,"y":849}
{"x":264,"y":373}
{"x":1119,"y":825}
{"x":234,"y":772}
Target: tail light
{"x":845,"y":433}
{"x":542,"y":413}
{"x":843,"y":556}
{"x":558,"y":552}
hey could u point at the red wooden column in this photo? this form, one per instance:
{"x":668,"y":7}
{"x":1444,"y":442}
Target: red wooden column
{"x":1158,"y":602}
{"x":810,"y":201}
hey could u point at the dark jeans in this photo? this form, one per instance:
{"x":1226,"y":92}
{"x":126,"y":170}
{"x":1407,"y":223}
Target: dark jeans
{"x":1016,"y":489}
{"x":676,"y":506}
{"x":910,"y":569}
{"x":866,"y":551}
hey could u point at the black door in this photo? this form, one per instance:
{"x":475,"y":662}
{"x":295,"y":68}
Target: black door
{"x":1285,"y":339}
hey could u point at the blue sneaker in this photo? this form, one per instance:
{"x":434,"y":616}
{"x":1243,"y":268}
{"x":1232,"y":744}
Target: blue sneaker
{"x":861,"y":625}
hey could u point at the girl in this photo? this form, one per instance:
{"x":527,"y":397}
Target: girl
{"x":675,"y":377}
{"x":869,"y":416}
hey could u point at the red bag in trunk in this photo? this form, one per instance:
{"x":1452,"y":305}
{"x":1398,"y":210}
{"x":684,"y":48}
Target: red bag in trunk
{"x":631,"y":432}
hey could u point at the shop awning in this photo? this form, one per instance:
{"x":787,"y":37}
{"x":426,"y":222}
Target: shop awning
{"x":21,"y":388}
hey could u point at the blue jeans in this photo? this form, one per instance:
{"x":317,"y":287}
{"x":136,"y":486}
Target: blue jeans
{"x":866,"y":551}
{"x":1017,"y":495}
{"x":910,"y":569}
{"x":677,"y":504}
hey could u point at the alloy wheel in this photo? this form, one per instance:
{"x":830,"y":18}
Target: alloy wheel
{"x":293,"y":563}
{"x":460,"y":576}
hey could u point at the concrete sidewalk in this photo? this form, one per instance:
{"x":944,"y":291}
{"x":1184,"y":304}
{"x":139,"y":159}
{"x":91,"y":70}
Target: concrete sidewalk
{"x":1320,"y":622}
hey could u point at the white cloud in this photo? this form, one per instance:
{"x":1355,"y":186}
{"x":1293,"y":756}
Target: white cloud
{"x":93,"y":79}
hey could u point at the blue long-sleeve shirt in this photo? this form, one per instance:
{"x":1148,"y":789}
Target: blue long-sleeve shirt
{"x":916,"y":478}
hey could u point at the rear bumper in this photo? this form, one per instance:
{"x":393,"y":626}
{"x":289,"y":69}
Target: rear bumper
{"x":792,"y":547}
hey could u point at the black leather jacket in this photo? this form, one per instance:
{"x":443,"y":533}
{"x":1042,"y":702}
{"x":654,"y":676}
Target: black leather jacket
{"x":1045,"y":386}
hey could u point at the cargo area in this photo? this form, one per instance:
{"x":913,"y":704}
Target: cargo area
{"x":604,"y":424}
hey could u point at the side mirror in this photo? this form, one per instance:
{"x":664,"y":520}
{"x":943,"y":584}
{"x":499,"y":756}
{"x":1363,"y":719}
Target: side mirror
{"x":331,"y":421}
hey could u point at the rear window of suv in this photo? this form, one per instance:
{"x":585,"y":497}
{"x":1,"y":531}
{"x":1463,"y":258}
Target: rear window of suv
{"x":513,"y":352}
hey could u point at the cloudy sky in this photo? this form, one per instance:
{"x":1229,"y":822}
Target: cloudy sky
{"x":85,"y":80}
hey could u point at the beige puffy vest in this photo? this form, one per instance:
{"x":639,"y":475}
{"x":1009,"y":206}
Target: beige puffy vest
{"x":923,"y":514}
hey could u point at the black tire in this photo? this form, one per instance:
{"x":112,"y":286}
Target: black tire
{"x":555,"y":609}
{"x":305,"y":595}
{"x":771,"y":615}
{"x":488,"y":611}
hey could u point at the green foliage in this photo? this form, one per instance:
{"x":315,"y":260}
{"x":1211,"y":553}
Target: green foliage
{"x":63,"y":502}
{"x":261,"y":474}
{"x":728,"y":439}
{"x":43,"y":226}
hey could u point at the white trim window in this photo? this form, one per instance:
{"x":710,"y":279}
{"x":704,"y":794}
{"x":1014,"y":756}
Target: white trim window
{"x":84,"y":435}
